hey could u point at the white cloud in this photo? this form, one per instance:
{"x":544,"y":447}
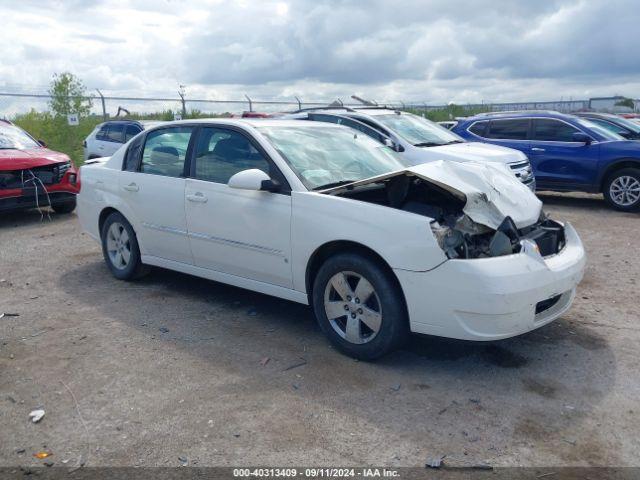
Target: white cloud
{"x":415,"y":50}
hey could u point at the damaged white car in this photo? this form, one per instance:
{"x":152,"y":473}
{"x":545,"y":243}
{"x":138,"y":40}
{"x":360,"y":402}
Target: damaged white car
{"x":323,"y":215}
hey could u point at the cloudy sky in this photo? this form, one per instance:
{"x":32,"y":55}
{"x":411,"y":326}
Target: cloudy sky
{"x":433,"y":51}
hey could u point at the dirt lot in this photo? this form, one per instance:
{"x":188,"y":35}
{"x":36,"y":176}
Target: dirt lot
{"x":172,"y":369}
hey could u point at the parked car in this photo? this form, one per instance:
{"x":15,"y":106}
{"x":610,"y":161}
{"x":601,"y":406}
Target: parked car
{"x":615,"y":123}
{"x":448,"y":124}
{"x":109,"y":136}
{"x":309,"y":212}
{"x":31,"y":175}
{"x":568,"y":153}
{"x":419,"y":140}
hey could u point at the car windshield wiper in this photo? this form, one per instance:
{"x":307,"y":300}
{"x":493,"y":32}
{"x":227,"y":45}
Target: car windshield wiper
{"x":454,"y":141}
{"x":428,"y":144}
{"x":334,"y":184}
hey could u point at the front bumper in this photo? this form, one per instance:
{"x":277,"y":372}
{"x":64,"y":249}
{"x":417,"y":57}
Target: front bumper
{"x":494,"y":298}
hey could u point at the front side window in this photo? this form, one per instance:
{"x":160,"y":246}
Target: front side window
{"x":508,"y":129}
{"x":221,"y":153}
{"x":323,"y":156}
{"x":114,"y":134}
{"x":417,"y":130}
{"x":14,"y":138}
{"x":131,"y":131}
{"x":347,"y":122}
{"x":548,"y":130}
{"x":165,"y":151}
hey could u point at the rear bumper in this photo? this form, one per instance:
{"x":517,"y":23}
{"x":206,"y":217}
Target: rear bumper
{"x":494,"y":298}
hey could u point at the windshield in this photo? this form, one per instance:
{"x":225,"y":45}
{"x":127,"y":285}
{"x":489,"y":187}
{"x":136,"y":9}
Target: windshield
{"x":323,"y":157}
{"x":603,"y":132}
{"x":628,"y":124}
{"x":417,"y":130}
{"x":13,"y":138}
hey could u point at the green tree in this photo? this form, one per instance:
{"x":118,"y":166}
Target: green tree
{"x":626,"y":102}
{"x":68,"y":95}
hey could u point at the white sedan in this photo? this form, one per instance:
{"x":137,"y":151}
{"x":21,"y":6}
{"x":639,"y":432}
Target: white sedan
{"x":323,"y":215}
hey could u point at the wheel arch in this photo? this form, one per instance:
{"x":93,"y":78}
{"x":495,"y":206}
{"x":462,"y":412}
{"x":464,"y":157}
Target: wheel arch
{"x":615,"y":166}
{"x":325,"y":251}
{"x":105,"y":213}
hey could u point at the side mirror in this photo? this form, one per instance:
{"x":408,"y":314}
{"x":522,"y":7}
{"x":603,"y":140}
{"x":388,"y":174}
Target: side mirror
{"x":253,"y":179}
{"x":392,"y":145}
{"x":42,"y":144}
{"x":582,"y":137}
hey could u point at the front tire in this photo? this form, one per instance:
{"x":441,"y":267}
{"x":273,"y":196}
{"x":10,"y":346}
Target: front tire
{"x":64,"y":208}
{"x":622,"y":189}
{"x":120,"y":248}
{"x":359,"y":306}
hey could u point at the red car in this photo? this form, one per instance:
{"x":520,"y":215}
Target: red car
{"x":32,"y":176}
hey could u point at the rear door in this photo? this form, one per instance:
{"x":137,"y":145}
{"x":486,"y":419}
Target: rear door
{"x":558,"y":161}
{"x":113,"y":139}
{"x":512,"y":133}
{"x":240,"y":232}
{"x":153,"y":186}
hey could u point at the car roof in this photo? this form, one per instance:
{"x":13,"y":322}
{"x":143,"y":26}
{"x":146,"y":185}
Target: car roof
{"x":596,"y":115}
{"x":252,"y":122}
{"x":521,"y":114}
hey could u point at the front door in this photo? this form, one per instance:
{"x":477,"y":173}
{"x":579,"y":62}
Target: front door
{"x":153,"y":189}
{"x":558,"y":161}
{"x":239,"y":232}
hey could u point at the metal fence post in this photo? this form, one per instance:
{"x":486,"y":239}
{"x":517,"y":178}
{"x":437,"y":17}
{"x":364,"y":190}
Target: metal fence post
{"x":104,"y":108}
{"x":299,"y":103}
{"x":184,"y":107}
{"x":250,"y":103}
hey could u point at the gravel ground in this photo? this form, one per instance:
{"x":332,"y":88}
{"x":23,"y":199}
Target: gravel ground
{"x":173,"y":369}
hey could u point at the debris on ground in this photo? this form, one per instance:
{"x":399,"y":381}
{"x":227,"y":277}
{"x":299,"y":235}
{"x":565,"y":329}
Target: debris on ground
{"x":164,"y":329}
{"x":295,"y":386}
{"x":7,"y":314}
{"x":11,"y":399}
{"x":296,"y":365}
{"x":183,"y":460}
{"x":474,"y":400}
{"x":48,"y":464}
{"x":36,"y":415}
{"x":396,"y":387}
{"x":20,"y":451}
{"x":264,"y":361}
{"x":42,"y":455}
{"x":435,"y":462}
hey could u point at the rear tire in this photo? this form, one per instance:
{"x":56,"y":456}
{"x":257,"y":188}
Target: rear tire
{"x":120,"y":248}
{"x":66,"y":207}
{"x":359,"y":306}
{"x":622,"y":189}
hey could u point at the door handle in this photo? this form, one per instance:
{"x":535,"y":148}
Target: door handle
{"x":536,"y":149}
{"x":132,"y":187}
{"x":197,"y":197}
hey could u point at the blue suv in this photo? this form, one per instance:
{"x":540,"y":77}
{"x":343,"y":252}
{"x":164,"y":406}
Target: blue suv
{"x":567,"y":153}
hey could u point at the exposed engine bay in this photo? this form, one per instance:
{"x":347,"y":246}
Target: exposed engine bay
{"x":456,"y":233}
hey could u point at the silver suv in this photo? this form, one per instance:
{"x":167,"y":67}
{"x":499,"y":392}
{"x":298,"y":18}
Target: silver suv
{"x":109,"y":136}
{"x":419,"y":140}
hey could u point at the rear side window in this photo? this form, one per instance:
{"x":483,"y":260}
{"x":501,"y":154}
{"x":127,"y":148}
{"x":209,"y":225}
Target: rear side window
{"x":221,"y":153}
{"x":516,"y":129}
{"x":548,"y":130}
{"x":478,"y":128}
{"x":131,"y":131}
{"x":102,"y":133}
{"x":165,"y":151}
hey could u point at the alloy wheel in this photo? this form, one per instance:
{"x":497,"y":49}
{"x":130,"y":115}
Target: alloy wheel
{"x":625,"y":190}
{"x":118,"y":246}
{"x":352,"y":307}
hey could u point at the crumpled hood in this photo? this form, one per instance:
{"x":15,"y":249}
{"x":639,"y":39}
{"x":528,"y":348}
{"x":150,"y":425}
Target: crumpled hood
{"x":32,"y":158}
{"x":478,"y":152}
{"x":491,"y":194}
